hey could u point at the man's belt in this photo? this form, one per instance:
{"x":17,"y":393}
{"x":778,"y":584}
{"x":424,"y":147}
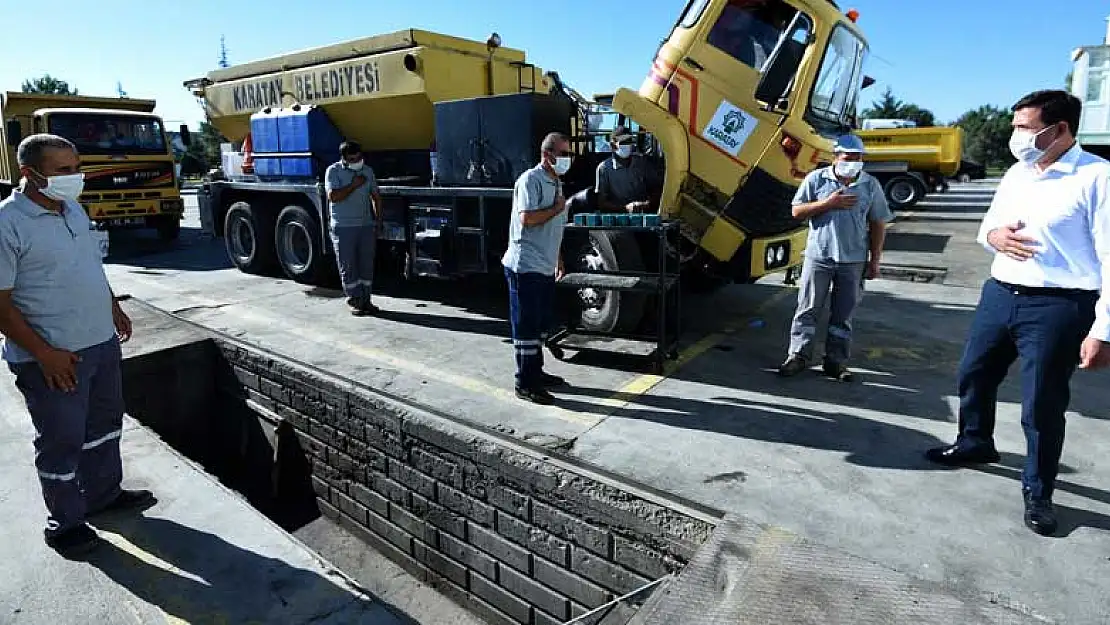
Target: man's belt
{"x":1021,"y":289}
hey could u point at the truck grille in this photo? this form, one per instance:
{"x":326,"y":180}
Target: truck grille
{"x":761,"y":206}
{"x":127,"y":176}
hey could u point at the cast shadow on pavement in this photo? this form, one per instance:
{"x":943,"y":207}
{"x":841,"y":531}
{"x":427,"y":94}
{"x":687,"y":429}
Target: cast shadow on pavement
{"x":200,"y":578}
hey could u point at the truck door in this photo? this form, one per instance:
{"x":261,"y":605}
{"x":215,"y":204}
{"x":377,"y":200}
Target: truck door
{"x":723,"y":65}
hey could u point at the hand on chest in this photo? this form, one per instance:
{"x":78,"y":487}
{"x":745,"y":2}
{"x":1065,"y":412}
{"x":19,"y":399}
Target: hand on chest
{"x":1045,"y":207}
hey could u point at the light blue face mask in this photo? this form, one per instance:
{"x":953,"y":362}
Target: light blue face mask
{"x":848,"y":169}
{"x":624,"y":151}
{"x":1023,"y":145}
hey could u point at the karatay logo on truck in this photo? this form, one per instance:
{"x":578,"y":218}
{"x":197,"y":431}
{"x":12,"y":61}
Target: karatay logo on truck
{"x":359,"y":79}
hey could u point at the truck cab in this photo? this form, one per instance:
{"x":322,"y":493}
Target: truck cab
{"x":130,"y":180}
{"x":744,"y":98}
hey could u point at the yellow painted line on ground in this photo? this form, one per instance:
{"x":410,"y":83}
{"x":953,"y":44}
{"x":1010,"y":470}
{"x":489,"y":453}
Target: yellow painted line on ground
{"x":401,"y":364}
{"x":643,"y":384}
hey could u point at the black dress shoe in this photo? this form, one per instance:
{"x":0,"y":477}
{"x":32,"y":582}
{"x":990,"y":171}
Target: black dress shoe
{"x":75,"y":543}
{"x":536,"y":396}
{"x":551,"y":381}
{"x":128,"y":500}
{"x":960,"y":455}
{"x":1040,"y":516}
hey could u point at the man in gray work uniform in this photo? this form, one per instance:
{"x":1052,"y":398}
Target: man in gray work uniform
{"x":847,"y":213}
{"x":355,"y":216}
{"x":62,"y":330}
{"x":532,"y":264}
{"x":625,"y":181}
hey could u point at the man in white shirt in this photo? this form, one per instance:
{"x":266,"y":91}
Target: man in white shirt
{"x":1049,"y":229}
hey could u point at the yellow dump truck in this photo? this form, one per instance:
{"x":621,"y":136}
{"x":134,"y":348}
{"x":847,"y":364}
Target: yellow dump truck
{"x":741,"y":102}
{"x":128,"y":164}
{"x":906,"y":160}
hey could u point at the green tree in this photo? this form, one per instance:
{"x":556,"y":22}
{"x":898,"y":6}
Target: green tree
{"x":49,"y":85}
{"x":987,"y":135}
{"x":204,"y":152}
{"x":890,"y":107}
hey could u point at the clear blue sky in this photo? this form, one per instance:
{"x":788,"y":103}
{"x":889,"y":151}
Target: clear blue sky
{"x":944,"y":55}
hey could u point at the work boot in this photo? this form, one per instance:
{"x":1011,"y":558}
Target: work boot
{"x":838,"y":371}
{"x":74,"y":543}
{"x":793,"y":366}
{"x":365,"y":309}
{"x":538,"y":396}
{"x":128,"y":500}
{"x":1039,"y":515}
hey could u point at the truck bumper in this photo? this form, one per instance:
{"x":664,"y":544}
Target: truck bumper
{"x":134,"y":213}
{"x":767,"y":255}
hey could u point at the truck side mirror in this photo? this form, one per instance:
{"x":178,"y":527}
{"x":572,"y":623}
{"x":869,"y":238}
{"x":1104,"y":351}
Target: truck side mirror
{"x":14,"y":130}
{"x":779,"y":71}
{"x":186,"y":137}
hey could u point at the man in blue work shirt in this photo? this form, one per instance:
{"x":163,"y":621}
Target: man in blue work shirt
{"x":626,"y":181}
{"x":847,"y":213}
{"x":62,"y":330}
{"x":533,"y":264}
{"x":356,"y":219}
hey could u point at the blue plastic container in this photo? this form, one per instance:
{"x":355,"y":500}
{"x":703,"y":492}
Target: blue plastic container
{"x":608,"y":219}
{"x":264,"y":130}
{"x":636,"y":220}
{"x":593,"y":219}
{"x":624,"y":221}
{"x":651,"y":221}
{"x":580,"y":219}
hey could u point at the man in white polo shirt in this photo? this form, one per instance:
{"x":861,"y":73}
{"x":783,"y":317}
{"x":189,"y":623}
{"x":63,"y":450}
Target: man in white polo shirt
{"x":1049,"y":229}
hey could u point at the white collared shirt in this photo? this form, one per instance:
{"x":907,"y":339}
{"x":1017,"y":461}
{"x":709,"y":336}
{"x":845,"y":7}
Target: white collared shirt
{"x":1066,"y":210}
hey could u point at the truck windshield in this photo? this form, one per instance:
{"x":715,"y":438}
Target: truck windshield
{"x":836,"y":90}
{"x":110,"y":134}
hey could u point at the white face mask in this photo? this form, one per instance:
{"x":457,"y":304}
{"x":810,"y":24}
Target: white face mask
{"x":848,"y":169}
{"x":1023,"y":145}
{"x":356,"y":166}
{"x":624,"y":151}
{"x":64,"y":187}
{"x":562,"y":165}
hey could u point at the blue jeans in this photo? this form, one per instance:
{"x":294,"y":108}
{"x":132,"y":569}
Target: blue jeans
{"x":77,"y":434}
{"x":531,"y":301}
{"x":1046,"y":330}
{"x":355,"y":247}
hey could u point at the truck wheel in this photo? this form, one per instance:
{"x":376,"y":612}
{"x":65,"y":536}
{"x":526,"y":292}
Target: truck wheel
{"x":297,"y":242}
{"x":169,"y":227}
{"x":249,"y":238}
{"x":609,"y":311}
{"x":964,"y":178}
{"x":904,"y":191}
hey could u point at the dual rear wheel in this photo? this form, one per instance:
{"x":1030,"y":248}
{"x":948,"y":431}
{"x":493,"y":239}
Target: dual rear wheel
{"x":258,"y":243}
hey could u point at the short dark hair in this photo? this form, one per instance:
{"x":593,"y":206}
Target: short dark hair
{"x":349,"y":148}
{"x":553,"y":139}
{"x":1055,"y":105}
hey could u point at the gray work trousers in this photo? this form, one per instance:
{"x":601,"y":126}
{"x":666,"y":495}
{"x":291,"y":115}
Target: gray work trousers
{"x":355,"y":247}
{"x":77,"y":435}
{"x":846,"y":280}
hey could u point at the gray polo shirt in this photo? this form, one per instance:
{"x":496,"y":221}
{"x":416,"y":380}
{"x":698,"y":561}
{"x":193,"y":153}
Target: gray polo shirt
{"x":53,"y":268}
{"x":534,"y":249}
{"x":356,"y":210}
{"x":841,"y":235}
{"x":624,"y":183}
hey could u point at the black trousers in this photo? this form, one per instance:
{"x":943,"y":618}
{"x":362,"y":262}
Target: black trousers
{"x":1046,"y":328}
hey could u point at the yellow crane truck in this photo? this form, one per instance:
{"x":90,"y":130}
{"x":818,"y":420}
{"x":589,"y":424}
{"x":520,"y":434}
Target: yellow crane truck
{"x":741,"y":102}
{"x":130,"y":179}
{"x":907,"y":159}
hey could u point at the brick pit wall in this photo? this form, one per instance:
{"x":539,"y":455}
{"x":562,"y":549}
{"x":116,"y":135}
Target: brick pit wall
{"x":503,"y":529}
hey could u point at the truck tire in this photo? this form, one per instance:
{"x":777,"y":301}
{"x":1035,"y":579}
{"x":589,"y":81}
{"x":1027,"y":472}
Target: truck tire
{"x":904,"y":191}
{"x":609,"y":311}
{"x":298,"y":246}
{"x":249,"y":238}
{"x":964,"y":178}
{"x":168,"y":227}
